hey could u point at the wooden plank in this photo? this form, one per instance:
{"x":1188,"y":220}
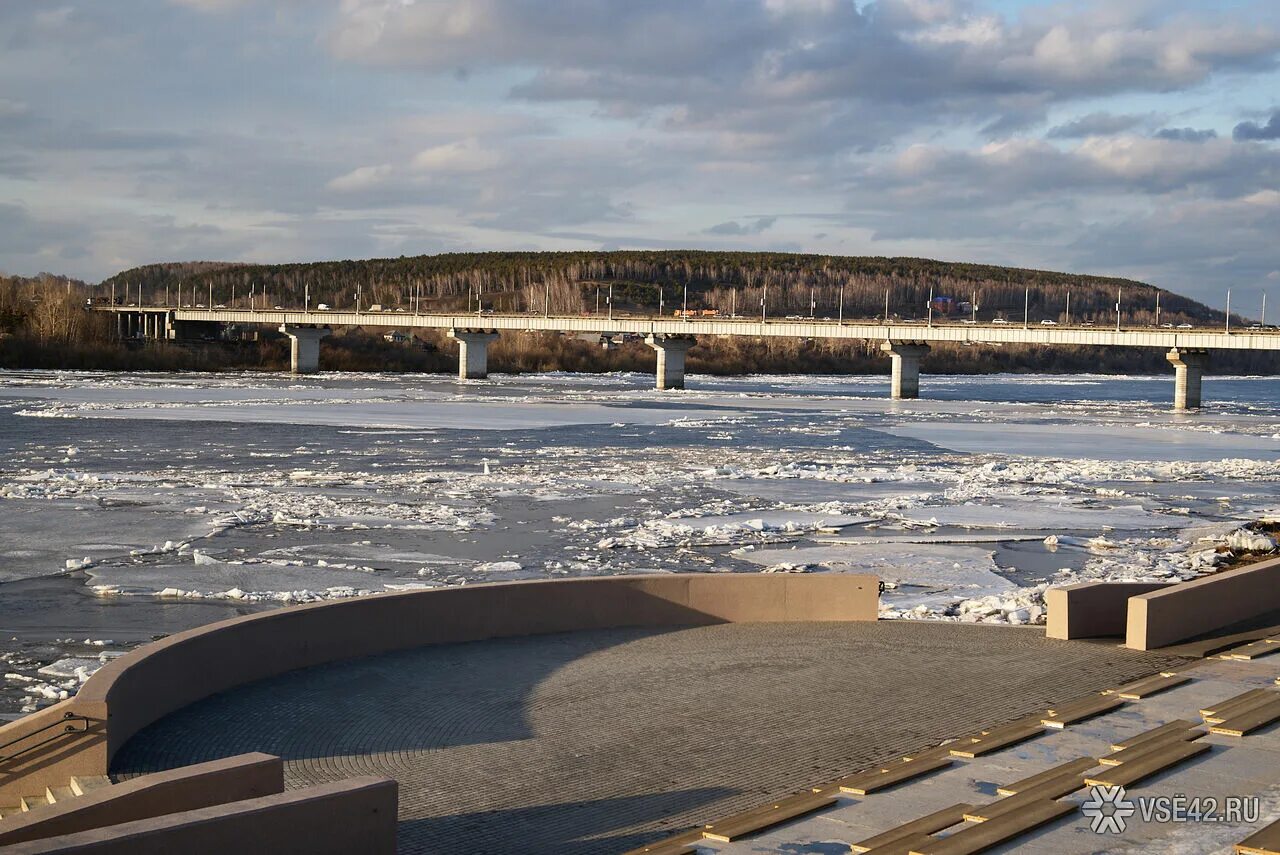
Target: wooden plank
{"x":998,"y":739}
{"x":1054,"y":788}
{"x":936,"y":821}
{"x":1214,"y":709}
{"x":1074,"y":767}
{"x":1211,"y":646}
{"x":766,"y":816}
{"x":931,"y":753}
{"x":1079,"y":712}
{"x":1246,"y":706}
{"x":983,"y":836}
{"x":1082,"y":701}
{"x":901,"y":847}
{"x":1144,"y":767}
{"x":681,"y":844}
{"x":1177,"y":725}
{"x":1257,"y":650}
{"x":896,"y":775}
{"x":1247,"y":721}
{"x":1142,"y":749}
{"x":1154,"y":686}
{"x":1265,"y":841}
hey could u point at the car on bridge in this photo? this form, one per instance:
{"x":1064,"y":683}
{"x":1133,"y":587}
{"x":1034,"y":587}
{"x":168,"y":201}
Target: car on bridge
{"x":1000,"y":321}
{"x":1185,"y":327}
{"x":1048,"y":323}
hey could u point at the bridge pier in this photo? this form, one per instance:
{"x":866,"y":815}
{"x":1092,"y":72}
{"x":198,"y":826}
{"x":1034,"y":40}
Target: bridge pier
{"x":905,"y":374}
{"x":671,"y":352}
{"x":304,"y":350}
{"x":473,"y":352}
{"x":1188,"y":370}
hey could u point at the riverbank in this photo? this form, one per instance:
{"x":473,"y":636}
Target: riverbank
{"x":430,"y":352}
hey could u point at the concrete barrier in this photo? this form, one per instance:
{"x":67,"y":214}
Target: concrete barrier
{"x":46,"y":748}
{"x":1092,"y":609}
{"x":246,"y":776}
{"x":1181,"y":612}
{"x":356,"y":815}
{"x":147,"y":684}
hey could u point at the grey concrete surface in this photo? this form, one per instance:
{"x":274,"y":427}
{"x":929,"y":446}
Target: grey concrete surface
{"x":596,"y":742}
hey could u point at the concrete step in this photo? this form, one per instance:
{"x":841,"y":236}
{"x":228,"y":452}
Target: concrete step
{"x":30,"y":803}
{"x":10,"y":810}
{"x":58,"y":794}
{"x":82,"y":784}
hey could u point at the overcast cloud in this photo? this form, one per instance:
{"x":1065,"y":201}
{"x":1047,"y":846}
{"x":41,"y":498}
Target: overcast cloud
{"x":1130,"y":137}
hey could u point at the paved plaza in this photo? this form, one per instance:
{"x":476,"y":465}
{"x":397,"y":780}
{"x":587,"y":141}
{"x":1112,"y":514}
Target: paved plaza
{"x":596,"y":742}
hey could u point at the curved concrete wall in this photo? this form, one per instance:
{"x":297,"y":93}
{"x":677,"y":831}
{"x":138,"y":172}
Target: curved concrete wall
{"x":153,"y":681}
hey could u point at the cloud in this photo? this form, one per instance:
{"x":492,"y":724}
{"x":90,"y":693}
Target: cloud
{"x":720,"y":65}
{"x":292,"y":130}
{"x":1192,"y":135}
{"x":1254,"y":131}
{"x":210,"y":5}
{"x":462,"y":156}
{"x":733,"y":227}
{"x":1100,"y":124}
{"x":361,"y":178}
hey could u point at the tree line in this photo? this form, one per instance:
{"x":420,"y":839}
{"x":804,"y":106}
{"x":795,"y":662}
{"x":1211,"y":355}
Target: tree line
{"x":641,"y":281}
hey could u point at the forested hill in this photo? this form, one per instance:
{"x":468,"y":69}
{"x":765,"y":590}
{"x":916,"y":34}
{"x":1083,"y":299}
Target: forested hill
{"x":568,"y":281}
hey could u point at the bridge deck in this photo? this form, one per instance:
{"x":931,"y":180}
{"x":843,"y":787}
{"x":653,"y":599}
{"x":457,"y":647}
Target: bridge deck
{"x":948,"y":331}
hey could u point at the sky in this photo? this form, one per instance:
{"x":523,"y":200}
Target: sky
{"x":1137,"y":138}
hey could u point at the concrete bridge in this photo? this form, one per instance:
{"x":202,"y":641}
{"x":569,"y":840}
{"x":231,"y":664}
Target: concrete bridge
{"x":905,"y":343}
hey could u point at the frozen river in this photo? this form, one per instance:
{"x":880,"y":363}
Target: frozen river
{"x":136,"y":505}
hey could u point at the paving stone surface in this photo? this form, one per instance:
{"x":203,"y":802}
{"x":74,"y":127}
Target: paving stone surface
{"x":596,"y":742}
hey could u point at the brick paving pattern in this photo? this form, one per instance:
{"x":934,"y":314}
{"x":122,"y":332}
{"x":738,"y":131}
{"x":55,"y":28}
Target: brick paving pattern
{"x":596,"y":742}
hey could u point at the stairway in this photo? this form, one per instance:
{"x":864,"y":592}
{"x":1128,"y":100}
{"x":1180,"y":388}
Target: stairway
{"x":79,"y":785}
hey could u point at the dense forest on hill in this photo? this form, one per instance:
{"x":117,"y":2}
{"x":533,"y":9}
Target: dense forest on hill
{"x":568,"y":282}
{"x":43,"y":323}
